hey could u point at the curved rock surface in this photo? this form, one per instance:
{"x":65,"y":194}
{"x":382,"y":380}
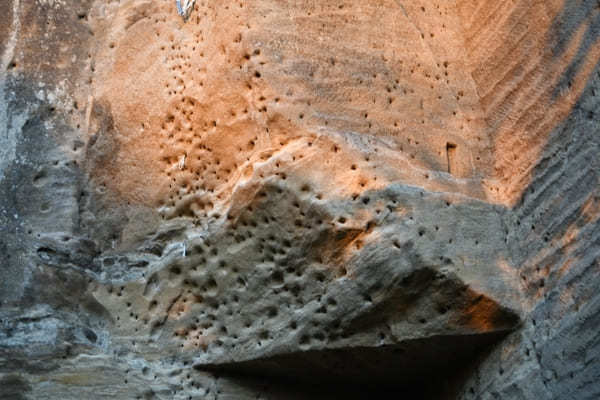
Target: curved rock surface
{"x":299,"y":199}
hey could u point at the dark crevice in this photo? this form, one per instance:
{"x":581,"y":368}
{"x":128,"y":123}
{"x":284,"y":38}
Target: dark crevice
{"x":421,"y":368}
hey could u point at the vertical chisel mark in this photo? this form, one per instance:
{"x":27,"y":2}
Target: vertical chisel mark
{"x":451,"y":156}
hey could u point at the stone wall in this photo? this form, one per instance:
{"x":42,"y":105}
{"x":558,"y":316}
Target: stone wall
{"x":294,"y":200}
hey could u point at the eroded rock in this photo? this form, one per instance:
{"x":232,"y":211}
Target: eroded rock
{"x":295,"y":200}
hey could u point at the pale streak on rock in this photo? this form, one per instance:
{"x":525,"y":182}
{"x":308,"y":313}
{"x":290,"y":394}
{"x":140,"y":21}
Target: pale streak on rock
{"x":8,"y":131}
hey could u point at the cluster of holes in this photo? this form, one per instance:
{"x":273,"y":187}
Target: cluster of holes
{"x":211,"y":311}
{"x":213,"y":289}
{"x":377,"y":103}
{"x":195,"y":162}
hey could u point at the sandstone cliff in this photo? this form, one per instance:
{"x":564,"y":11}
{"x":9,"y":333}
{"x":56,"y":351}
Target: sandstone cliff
{"x":299,"y":199}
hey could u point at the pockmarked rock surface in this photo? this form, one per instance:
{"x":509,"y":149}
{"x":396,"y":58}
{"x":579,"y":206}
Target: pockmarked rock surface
{"x":299,"y":199}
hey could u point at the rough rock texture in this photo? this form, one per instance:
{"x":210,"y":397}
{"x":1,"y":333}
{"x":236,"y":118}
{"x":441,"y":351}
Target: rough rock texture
{"x":299,"y":199}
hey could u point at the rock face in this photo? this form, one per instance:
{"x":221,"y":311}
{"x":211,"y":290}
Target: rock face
{"x":299,"y":200}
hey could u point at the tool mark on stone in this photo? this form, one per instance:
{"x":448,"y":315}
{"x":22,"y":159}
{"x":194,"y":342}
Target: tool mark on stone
{"x":451,"y":157}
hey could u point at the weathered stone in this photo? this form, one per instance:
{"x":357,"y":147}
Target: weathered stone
{"x":294,"y":200}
